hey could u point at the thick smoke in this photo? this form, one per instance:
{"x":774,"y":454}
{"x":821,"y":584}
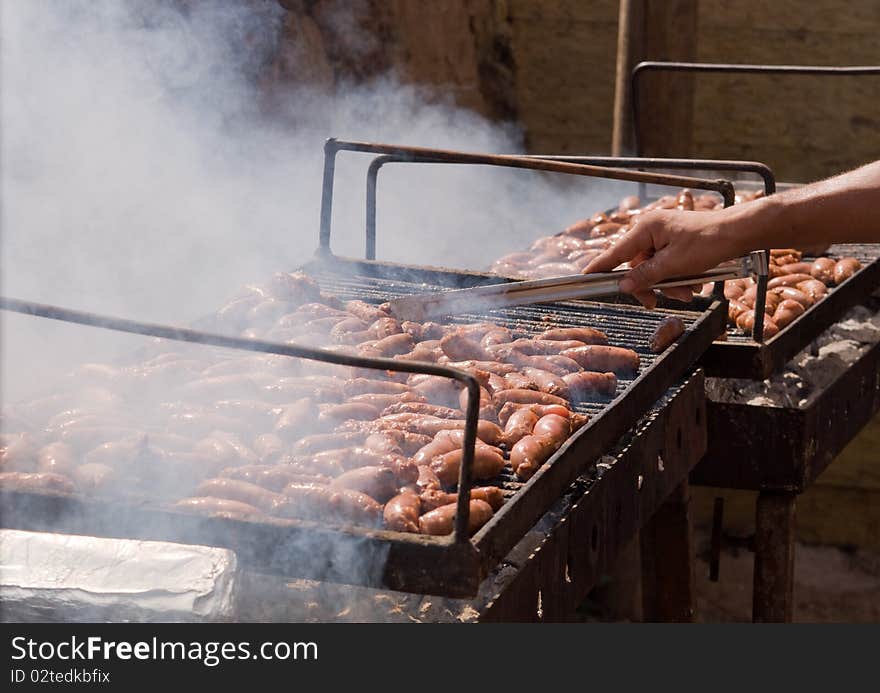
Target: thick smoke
{"x":141,"y":175}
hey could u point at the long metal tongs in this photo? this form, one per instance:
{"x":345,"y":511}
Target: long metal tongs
{"x":421,"y":307}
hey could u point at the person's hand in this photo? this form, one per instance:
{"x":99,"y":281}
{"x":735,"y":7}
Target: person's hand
{"x":666,"y":243}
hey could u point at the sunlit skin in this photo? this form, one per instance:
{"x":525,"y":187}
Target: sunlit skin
{"x":666,"y":243}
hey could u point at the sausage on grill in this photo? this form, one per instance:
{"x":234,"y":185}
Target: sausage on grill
{"x":488,"y":463}
{"x":433,"y":499}
{"x":219,"y":507}
{"x":823,"y":269}
{"x":605,"y":358}
{"x":587,"y":335}
{"x":667,"y":332}
{"x":582,"y":385}
{"x":241,"y":491}
{"x":442,"y":520}
{"x":401,"y":513}
{"x":379,"y":483}
{"x":846,"y":268}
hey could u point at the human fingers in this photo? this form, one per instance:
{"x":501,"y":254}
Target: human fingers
{"x":637,"y":241}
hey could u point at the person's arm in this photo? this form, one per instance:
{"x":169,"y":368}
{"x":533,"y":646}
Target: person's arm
{"x":665,"y":243}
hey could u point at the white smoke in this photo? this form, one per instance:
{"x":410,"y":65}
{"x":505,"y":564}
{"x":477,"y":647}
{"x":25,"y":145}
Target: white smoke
{"x":142,"y":177}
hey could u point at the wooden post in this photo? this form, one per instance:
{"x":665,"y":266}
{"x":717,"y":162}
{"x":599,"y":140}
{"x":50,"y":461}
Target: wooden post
{"x":655,"y":30}
{"x":668,"y":582}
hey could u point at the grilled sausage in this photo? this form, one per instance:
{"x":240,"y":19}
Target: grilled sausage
{"x":527,"y":397}
{"x":219,"y":507}
{"x":311,"y":502}
{"x":273,"y":477}
{"x":520,"y":424}
{"x":332,"y":414}
{"x":547,"y":382}
{"x":398,"y":442}
{"x":795,"y":294}
{"x":492,"y":367}
{"x":846,"y":268}
{"x":427,"y":478}
{"x":241,"y":491}
{"x":787,"y":312}
{"x":365,"y":311}
{"x":379,"y":483}
{"x":36,"y":482}
{"x":459,"y":347}
{"x":788,"y":280}
{"x":586,"y":383}
{"x":488,"y":463}
{"x":813,"y":288}
{"x":360,"y":386}
{"x":327,"y":441}
{"x":553,"y":427}
{"x":499,"y":335}
{"x":519,"y":381}
{"x":442,"y":520}
{"x":823,"y":269}
{"x":735,"y":309}
{"x":536,"y":347}
{"x":667,"y":332}
{"x":433,"y":499}
{"x":605,"y":358}
{"x":540,"y":409}
{"x":746,"y":322}
{"x":487,"y":431}
{"x":797,"y":268}
{"x":401,"y":513}
{"x":423,"y":408}
{"x":587,"y":335}
{"x":295,"y":419}
{"x":529,"y":454}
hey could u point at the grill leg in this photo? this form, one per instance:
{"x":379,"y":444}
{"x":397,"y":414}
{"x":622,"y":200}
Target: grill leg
{"x":773,"y":592}
{"x":668,"y":561}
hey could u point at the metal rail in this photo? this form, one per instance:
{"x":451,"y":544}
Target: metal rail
{"x":422,"y":154}
{"x":182,"y":334}
{"x":755,"y":167}
{"x":733,"y":68}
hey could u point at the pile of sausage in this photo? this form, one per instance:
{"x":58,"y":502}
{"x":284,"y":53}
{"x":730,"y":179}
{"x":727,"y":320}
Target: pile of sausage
{"x":246,"y":435}
{"x":794,"y":284}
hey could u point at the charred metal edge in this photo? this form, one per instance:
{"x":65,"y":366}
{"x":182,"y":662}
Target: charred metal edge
{"x":785,"y":448}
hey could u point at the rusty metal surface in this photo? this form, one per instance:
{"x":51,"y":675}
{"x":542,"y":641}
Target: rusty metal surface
{"x":773,"y":592}
{"x":755,"y":448}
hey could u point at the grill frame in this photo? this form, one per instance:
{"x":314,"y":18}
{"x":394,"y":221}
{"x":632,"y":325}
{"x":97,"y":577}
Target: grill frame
{"x":414,"y":563}
{"x":453,"y":565}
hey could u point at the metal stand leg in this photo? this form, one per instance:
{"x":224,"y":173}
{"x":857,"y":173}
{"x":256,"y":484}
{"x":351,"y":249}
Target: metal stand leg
{"x":668,"y":592}
{"x":773,"y":593}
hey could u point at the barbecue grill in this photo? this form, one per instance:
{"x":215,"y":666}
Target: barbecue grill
{"x":453,"y":565}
